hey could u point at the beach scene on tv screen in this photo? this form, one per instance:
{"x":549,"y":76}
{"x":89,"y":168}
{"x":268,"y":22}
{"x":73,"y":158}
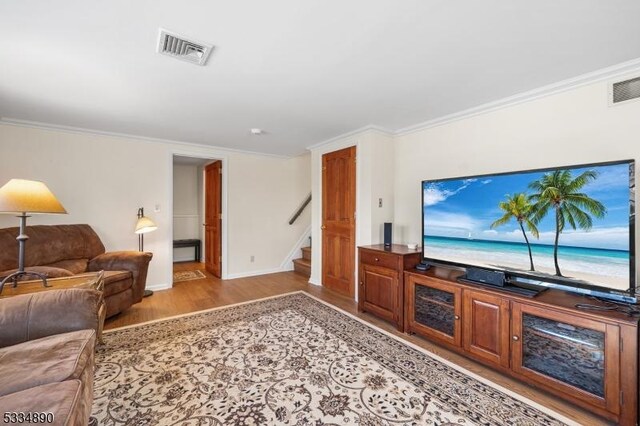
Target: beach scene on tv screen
{"x":567,"y":224}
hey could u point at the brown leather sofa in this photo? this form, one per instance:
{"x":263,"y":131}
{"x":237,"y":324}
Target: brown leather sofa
{"x":47,"y":355}
{"x":66,"y":250}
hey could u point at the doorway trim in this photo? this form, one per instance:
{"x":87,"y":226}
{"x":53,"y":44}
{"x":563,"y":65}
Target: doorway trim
{"x":225,"y":181}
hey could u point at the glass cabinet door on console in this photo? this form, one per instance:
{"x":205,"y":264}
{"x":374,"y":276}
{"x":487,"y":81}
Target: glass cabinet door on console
{"x":574,"y":354}
{"x":434,"y":310}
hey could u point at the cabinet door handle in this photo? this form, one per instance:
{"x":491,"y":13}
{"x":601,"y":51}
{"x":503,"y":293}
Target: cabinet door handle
{"x":377,"y":260}
{"x":516,"y":338}
{"x":456,"y":317}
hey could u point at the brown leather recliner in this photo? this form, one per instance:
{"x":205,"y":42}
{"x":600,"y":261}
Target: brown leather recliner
{"x":47,"y":352}
{"x":66,"y":250}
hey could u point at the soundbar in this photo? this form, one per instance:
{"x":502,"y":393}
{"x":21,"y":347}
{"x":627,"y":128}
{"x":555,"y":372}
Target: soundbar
{"x":485,"y":276}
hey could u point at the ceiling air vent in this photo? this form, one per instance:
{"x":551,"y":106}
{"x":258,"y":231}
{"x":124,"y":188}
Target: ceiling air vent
{"x":626,"y":90}
{"x":180,"y":47}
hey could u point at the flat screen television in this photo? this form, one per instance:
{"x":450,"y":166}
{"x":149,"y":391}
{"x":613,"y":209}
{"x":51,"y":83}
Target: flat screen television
{"x":566,"y":227}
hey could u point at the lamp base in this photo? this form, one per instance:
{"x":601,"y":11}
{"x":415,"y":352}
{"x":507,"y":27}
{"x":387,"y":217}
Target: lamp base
{"x":147,"y":293}
{"x":14,"y":278}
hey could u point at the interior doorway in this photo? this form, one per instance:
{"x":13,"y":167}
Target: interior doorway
{"x":197,"y":194}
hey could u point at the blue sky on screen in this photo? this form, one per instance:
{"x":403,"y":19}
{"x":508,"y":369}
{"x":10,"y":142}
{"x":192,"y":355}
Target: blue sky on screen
{"x":466,"y":208}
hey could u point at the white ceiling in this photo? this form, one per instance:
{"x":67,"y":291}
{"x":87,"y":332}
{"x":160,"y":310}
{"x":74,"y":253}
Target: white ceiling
{"x":302,"y":70}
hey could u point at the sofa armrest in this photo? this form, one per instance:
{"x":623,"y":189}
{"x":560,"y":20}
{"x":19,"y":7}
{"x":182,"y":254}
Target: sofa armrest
{"x":32,"y":316}
{"x":134,"y":261}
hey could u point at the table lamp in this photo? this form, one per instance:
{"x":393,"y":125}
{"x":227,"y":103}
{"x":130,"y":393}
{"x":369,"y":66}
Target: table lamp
{"x":20,"y":196}
{"x":144,"y":225}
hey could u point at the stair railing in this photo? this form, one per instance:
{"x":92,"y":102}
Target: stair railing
{"x":300,"y":209}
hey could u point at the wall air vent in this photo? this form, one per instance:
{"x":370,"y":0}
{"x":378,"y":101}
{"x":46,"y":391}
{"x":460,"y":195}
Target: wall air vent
{"x":626,"y":90}
{"x":180,"y":47}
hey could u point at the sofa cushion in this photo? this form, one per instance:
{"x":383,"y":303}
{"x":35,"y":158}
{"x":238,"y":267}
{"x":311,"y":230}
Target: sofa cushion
{"x":50,"y":244}
{"x":75,"y":266}
{"x":116,"y":282}
{"x":50,"y":272}
{"x":47,"y":360}
{"x":59,"y":399}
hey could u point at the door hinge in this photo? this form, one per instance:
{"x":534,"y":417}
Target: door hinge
{"x":220,"y":171}
{"x":621,"y":344}
{"x":324,"y":167}
{"x":220,"y":258}
{"x":220,"y":216}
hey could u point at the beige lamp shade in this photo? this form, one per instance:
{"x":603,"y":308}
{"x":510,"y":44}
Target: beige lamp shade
{"x":145,"y":225}
{"x":28,"y":196}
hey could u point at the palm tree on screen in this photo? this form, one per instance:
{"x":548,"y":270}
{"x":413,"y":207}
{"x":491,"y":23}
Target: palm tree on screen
{"x":561,"y":192}
{"x":518,"y":207}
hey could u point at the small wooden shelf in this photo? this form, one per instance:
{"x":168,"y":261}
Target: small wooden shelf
{"x":381,"y":280}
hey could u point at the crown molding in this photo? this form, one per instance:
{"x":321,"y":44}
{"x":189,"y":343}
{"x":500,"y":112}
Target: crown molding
{"x":603,"y":74}
{"x":541,"y":92}
{"x":368,"y":128}
{"x":80,"y":130}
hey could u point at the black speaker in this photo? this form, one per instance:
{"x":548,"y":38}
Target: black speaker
{"x":387,"y":234}
{"x":485,"y":276}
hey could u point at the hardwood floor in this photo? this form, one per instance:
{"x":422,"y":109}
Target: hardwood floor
{"x":191,"y":296}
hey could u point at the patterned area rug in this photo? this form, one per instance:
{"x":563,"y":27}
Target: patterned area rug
{"x":290,"y":360}
{"x":188,"y":276}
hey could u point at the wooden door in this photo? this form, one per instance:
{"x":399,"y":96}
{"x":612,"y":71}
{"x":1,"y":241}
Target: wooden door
{"x":338,"y":220}
{"x":568,"y":353}
{"x":485,"y":319}
{"x":213,"y":218}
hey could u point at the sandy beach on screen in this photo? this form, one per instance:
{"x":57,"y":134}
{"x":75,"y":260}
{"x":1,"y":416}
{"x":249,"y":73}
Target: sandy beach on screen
{"x":584,"y":278}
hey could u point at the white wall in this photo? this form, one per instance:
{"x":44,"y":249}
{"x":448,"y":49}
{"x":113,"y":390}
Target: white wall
{"x":187,"y":220}
{"x":573,"y":127}
{"x":382,"y":186}
{"x":266,"y":192}
{"x":102,"y":180}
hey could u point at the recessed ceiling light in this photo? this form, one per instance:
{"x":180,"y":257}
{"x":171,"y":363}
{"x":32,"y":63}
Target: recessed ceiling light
{"x":257,"y":132}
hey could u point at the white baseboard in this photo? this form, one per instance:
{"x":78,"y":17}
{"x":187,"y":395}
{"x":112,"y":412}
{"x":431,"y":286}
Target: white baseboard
{"x":253,"y":273}
{"x":157,"y":287}
{"x":286,"y":265}
{"x":315,"y":282}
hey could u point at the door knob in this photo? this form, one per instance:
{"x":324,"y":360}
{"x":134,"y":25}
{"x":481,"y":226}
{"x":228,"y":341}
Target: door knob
{"x":456,"y":317}
{"x":323,"y":227}
{"x":516,"y":338}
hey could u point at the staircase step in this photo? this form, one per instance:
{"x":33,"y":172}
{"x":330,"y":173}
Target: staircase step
{"x":306,"y":253}
{"x":302,"y":266}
